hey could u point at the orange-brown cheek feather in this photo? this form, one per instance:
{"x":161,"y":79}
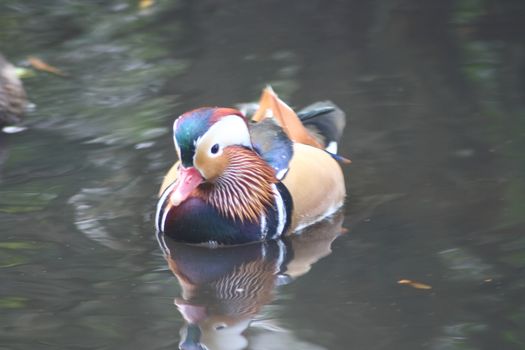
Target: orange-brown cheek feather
{"x":243,"y":190}
{"x":210,"y":167}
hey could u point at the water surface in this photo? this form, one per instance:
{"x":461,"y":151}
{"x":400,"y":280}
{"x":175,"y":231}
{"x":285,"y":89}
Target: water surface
{"x":435,"y":98}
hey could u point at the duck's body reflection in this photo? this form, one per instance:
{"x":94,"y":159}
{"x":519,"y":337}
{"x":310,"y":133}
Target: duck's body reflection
{"x":224,"y":289}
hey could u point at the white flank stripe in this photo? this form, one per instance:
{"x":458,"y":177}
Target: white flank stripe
{"x":282,"y":253}
{"x":281,"y":211}
{"x":164,"y":217}
{"x":160,"y":204}
{"x":264,"y":227}
{"x":263,"y":250}
{"x":162,"y":243}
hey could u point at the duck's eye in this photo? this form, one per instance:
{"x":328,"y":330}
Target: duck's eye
{"x":215,"y":148}
{"x":220,"y":326}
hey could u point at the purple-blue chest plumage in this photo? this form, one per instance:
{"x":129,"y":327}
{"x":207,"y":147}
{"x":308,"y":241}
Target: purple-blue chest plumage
{"x":197,"y":221}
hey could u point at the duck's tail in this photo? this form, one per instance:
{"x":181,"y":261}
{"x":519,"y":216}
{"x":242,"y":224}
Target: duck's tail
{"x":325,"y":121}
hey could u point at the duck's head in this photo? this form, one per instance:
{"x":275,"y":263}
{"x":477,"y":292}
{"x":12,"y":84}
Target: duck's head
{"x":202,"y":140}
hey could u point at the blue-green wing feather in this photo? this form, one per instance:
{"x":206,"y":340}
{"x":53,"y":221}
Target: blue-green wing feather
{"x":272,"y":143}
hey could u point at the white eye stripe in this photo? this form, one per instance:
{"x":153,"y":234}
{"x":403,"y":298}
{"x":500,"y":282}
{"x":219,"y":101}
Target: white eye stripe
{"x":230,"y":130}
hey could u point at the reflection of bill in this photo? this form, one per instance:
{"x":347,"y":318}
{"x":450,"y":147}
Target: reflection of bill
{"x":224,"y":289}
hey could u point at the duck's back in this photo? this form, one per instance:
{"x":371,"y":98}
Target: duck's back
{"x":316,"y":183}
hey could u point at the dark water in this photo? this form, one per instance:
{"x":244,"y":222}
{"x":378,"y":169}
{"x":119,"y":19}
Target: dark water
{"x":435,"y":97}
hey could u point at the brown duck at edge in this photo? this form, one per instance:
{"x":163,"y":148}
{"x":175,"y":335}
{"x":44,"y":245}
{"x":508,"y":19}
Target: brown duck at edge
{"x":12,"y":95}
{"x":238,"y":181}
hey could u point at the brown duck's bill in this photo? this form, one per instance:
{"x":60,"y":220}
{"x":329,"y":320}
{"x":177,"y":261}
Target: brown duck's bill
{"x":188,"y":180}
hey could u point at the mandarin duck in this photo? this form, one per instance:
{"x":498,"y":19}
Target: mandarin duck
{"x":12,"y":95}
{"x":239,"y":181}
{"x":224,"y":290}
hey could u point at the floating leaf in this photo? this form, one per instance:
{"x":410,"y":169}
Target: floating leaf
{"x":414,"y":284}
{"x":38,"y":64}
{"x":144,"y":4}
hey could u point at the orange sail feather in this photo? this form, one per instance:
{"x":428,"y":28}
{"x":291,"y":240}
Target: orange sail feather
{"x":271,"y":105}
